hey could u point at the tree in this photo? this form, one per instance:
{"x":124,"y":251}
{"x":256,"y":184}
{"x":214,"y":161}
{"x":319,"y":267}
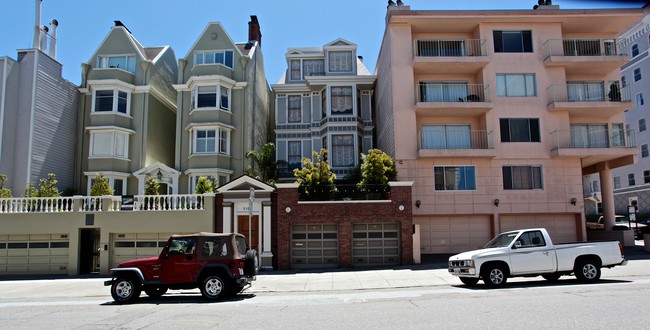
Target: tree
{"x":265,"y":162}
{"x":317,"y":179}
{"x":4,"y":192}
{"x":30,"y":190}
{"x":151,"y":187}
{"x":203,"y":185}
{"x":377,"y":168}
{"x":101,"y":186}
{"x":47,"y":187}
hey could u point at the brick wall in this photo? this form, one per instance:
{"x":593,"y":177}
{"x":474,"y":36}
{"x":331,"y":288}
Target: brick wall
{"x":345,"y":214}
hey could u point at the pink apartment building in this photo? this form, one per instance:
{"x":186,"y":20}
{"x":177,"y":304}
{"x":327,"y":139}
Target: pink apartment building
{"x":497,"y":115}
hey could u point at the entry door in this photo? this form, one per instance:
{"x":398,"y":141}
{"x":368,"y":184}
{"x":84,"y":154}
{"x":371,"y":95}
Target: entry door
{"x":242,"y":228}
{"x":88,"y":251}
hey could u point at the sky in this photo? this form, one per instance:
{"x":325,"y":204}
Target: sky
{"x":83,"y":24}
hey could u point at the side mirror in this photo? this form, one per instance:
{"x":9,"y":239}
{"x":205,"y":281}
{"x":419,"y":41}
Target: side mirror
{"x":517,"y":245}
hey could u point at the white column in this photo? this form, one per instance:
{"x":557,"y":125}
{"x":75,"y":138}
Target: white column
{"x":227,"y":218}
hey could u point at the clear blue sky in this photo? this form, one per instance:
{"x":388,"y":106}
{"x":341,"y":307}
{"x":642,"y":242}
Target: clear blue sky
{"x":83,"y":24}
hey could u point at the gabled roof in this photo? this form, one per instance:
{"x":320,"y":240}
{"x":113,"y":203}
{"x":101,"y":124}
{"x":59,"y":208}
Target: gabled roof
{"x":340,"y":42}
{"x":156,"y":166}
{"x":145,"y":53}
{"x":243,"y":184}
{"x":205,"y":30}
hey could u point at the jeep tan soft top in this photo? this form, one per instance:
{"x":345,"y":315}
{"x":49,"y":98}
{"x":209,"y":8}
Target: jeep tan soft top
{"x":218,"y":246}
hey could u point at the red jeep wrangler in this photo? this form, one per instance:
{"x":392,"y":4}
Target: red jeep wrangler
{"x":218,"y":264}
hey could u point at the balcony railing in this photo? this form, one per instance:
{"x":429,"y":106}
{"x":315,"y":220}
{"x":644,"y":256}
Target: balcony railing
{"x":450,"y":92}
{"x":344,"y":192}
{"x":593,"y":139}
{"x":581,"y":47}
{"x":609,"y":91}
{"x":36,"y":204}
{"x":450,"y":47}
{"x":449,"y":139}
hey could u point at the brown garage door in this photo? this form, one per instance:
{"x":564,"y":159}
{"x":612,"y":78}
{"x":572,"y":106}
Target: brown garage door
{"x":453,"y":234}
{"x":561,"y":227}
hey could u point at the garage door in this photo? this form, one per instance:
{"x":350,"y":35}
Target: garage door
{"x":453,"y":234}
{"x":34,"y":254}
{"x":375,"y":244}
{"x":314,"y":246}
{"x":135,"y":246}
{"x":561,"y":227}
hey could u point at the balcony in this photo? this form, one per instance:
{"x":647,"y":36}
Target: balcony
{"x":446,"y":141}
{"x":591,"y":99}
{"x":453,"y":99}
{"x":449,"y":56}
{"x":583,"y":56}
{"x":594,"y":147}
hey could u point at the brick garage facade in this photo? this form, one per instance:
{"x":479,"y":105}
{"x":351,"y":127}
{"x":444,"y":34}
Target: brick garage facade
{"x":288,"y":210}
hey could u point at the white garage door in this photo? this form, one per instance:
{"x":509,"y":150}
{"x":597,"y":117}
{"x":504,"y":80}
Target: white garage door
{"x":314,"y":246}
{"x":34,"y":254}
{"x":375,"y":244}
{"x":136,"y":246}
{"x":561,"y":227}
{"x":453,"y":234}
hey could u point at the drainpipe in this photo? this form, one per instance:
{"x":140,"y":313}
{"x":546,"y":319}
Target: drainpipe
{"x":145,"y":115}
{"x":244,"y":62}
{"x":182,"y":64}
{"x":81,"y":126}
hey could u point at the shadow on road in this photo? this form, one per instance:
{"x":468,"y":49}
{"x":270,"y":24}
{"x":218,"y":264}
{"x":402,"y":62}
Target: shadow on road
{"x":174,"y":298}
{"x":540,"y":283}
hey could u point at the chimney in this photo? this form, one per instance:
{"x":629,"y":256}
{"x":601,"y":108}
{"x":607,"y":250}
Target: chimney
{"x":37,"y":26}
{"x":254,"y":32}
{"x":360,"y":58}
{"x":53,"y":25}
{"x":44,"y":31}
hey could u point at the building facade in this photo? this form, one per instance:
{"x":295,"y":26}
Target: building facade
{"x":127,"y":115}
{"x":324,"y":100}
{"x":223,"y":102}
{"x":497,"y":115}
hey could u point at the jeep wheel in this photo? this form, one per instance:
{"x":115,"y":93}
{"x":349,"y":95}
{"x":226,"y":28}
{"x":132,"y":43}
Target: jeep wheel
{"x":251,"y":264}
{"x":125,"y":290}
{"x":213,"y":287}
{"x":469,"y":281}
{"x":155,"y":291}
{"x":494,"y":276}
{"x":587,"y":271}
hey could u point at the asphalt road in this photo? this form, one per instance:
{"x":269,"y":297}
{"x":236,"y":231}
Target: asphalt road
{"x":619,"y":301}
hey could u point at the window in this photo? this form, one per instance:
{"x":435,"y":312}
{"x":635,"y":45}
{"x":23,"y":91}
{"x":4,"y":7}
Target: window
{"x":295,"y":70}
{"x":637,"y":74}
{"x":591,"y":136}
{"x":519,"y":130}
{"x":117,"y":182}
{"x":639,"y":100}
{"x":211,"y":97}
{"x":340,"y":61}
{"x":446,"y":137}
{"x":522,"y":177}
{"x":635,"y":50}
{"x":531,"y":239}
{"x":106,"y":143}
{"x":294,"y":154}
{"x":623,"y":81}
{"x":294,"y":107}
{"x":124,"y":62}
{"x":181,"y":246}
{"x":299,"y":69}
{"x":211,"y":141}
{"x":516,"y":85}
{"x":341,"y":98}
{"x":595,"y":186}
{"x":617,"y":182}
{"x":342,"y":151}
{"x":224,"y":57}
{"x":118,"y":187}
{"x":644,"y":150}
{"x":513,"y":41}
{"x":646,"y":176}
{"x":454,"y":177}
{"x":630,"y":179}
{"x":111,"y":100}
{"x":642,"y":125}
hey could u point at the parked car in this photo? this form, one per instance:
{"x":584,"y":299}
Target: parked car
{"x":217,"y":264}
{"x":530,"y":252}
{"x":620,"y":220}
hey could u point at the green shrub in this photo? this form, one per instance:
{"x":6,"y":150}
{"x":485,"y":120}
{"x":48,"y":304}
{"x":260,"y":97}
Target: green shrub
{"x":316,"y":178}
{"x":101,"y":186}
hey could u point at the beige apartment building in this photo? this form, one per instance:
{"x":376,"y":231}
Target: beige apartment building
{"x":497,"y":115}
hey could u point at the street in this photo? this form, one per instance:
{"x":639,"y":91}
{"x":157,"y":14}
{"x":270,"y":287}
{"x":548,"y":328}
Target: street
{"x":619,"y":300}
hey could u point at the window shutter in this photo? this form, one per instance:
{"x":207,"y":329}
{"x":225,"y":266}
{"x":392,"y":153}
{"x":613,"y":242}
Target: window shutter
{"x":534,"y":130}
{"x":527,"y":37}
{"x":505,"y":130}
{"x":498,"y":42}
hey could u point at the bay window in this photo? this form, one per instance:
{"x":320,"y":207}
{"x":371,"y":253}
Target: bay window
{"x":342,"y":150}
{"x":224,"y":57}
{"x":213,"y":96}
{"x":212,"y":140}
{"x":124,"y":62}
{"x":340,"y":61}
{"x":109,"y":143}
{"x":111,"y":100}
{"x":341,"y":100}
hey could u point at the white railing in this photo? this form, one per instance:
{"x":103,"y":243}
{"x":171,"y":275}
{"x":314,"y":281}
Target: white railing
{"x":459,"y":139}
{"x":91,"y":204}
{"x":168,"y":202}
{"x":452,"y":92}
{"x":609,"y":91}
{"x":36,"y":204}
{"x":581,"y":47}
{"x":576,"y":138}
{"x":450,"y":47}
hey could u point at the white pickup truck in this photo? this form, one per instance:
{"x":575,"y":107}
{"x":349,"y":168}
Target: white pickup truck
{"x":530,"y":252}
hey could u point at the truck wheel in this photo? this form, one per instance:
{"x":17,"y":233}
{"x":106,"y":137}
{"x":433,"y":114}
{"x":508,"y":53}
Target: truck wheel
{"x":125,"y":290}
{"x":469,"y":281}
{"x":552,"y":277}
{"x":155,"y":291}
{"x":587,"y":271}
{"x":494,"y":276}
{"x":250,"y":263}
{"x":213,"y":287}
